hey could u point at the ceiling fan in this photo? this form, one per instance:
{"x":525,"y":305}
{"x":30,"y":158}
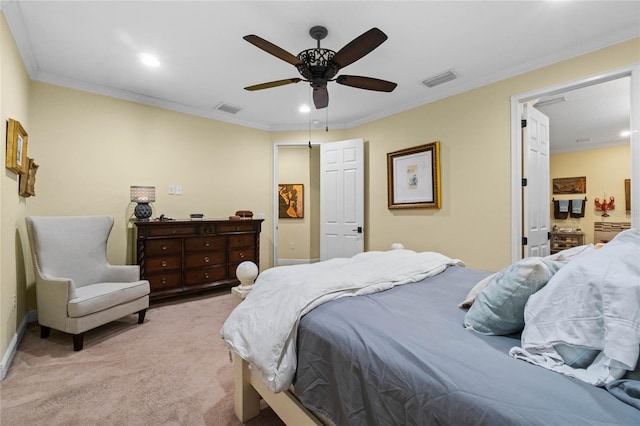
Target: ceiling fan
{"x":319,"y":65}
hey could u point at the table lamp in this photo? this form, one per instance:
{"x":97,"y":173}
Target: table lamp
{"x":143,"y":195}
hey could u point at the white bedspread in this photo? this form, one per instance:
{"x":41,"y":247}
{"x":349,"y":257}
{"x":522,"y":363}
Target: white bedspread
{"x":585,"y":322}
{"x":263,"y":328}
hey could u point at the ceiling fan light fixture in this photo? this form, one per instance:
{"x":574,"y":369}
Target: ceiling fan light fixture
{"x":439,"y":79}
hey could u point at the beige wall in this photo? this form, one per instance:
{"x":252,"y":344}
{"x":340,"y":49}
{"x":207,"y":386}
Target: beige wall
{"x":91,"y":148}
{"x":474,"y":223}
{"x":605,"y":170}
{"x":14,"y":103}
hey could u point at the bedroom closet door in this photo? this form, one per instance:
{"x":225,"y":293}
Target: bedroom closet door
{"x":535,"y":188}
{"x":342,"y":199}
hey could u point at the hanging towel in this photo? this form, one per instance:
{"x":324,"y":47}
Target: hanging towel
{"x":564,"y":206}
{"x":557,"y":213}
{"x":577,"y":208}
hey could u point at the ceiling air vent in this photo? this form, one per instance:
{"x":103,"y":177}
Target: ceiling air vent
{"x":228,"y":108}
{"x":550,"y":101}
{"x":440,"y":78}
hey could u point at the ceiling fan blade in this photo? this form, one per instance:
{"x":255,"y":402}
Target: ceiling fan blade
{"x":320,"y":97}
{"x":271,"y":48}
{"x":273,"y":84}
{"x":367,"y":83}
{"x":359,"y":47}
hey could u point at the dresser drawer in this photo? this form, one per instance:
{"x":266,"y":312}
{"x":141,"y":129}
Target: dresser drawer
{"x":163,"y":247}
{"x":163,"y":263}
{"x":237,"y":227}
{"x":165,"y":281}
{"x":205,"y":275}
{"x":240,"y":255}
{"x":198,"y":260}
{"x":204,"y":243}
{"x":245,"y":240}
{"x":172,"y":231}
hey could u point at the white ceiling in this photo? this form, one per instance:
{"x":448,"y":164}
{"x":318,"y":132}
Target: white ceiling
{"x":94,"y":46}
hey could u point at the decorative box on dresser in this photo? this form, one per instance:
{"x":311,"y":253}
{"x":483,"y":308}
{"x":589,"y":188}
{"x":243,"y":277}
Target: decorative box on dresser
{"x":184,"y":256}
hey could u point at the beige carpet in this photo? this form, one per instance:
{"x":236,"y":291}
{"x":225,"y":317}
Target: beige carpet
{"x":172,"y":370}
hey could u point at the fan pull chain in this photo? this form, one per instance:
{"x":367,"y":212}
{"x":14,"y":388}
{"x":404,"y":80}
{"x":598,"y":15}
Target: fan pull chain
{"x":326,"y":120}
{"x":310,"y":117}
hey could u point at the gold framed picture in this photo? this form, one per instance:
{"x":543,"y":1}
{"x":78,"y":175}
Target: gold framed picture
{"x":16,"y":147}
{"x":413,"y":177}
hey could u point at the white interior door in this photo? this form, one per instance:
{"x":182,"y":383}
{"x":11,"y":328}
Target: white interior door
{"x":341,"y":198}
{"x":535,"y":185}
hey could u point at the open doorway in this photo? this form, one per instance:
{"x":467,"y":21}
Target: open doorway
{"x":517,"y":102}
{"x":296,"y":237}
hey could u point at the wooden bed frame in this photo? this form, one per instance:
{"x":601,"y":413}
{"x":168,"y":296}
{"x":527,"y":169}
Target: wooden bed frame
{"x":249,"y":389}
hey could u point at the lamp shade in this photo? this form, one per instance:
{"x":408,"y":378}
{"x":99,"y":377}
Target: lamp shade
{"x":143,"y":194}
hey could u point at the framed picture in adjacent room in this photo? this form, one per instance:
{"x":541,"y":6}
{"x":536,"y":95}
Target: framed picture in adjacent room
{"x":291,"y":201}
{"x":570,"y":185}
{"x":627,"y":195}
{"x":413,"y":177}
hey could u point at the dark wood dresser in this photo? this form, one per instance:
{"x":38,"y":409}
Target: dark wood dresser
{"x":184,"y":256}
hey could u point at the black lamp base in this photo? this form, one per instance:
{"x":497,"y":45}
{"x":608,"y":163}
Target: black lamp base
{"x":143,"y":211}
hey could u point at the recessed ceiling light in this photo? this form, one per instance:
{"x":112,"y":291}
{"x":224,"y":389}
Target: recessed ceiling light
{"x":304,"y":108}
{"x":149,"y":60}
{"x":625,"y":133}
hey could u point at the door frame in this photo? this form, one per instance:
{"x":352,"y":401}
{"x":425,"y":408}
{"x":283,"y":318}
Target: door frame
{"x":274,"y":199}
{"x":517,"y":102}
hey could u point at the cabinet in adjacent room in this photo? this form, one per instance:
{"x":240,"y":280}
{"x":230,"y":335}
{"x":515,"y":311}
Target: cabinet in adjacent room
{"x":564,"y":240}
{"x":183,"y":256}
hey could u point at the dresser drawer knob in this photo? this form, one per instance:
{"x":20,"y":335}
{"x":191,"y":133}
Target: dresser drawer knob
{"x":206,"y":275}
{"x":207,"y":244}
{"x":206,"y":259}
{"x":241,"y":255}
{"x":163,"y":263}
{"x":164,"y":247}
{"x":163,"y":281}
{"x":173,"y":231}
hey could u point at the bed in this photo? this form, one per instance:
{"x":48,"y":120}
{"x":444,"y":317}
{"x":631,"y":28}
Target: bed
{"x":402,"y":355}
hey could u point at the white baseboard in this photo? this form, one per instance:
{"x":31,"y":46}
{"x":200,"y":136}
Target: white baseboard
{"x":285,"y":262}
{"x":7,"y":359}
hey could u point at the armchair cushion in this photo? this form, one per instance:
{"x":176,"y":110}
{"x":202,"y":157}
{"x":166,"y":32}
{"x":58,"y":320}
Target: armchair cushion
{"x":98,"y":297}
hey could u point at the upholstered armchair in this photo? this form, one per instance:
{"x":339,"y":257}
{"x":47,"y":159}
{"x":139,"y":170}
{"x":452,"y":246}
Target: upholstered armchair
{"x":76,"y":287}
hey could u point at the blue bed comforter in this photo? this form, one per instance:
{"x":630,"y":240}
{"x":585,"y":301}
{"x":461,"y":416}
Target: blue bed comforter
{"x":403,"y":357}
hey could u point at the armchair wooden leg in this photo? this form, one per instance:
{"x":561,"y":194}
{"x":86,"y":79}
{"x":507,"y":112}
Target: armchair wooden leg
{"x":141,"y":315}
{"x":44,"y":331}
{"x":78,"y":342}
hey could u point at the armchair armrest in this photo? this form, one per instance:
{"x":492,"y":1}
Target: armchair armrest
{"x":53,"y":296}
{"x":121,"y":273}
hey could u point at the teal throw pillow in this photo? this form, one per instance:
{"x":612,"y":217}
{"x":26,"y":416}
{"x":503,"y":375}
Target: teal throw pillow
{"x":499,"y":308}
